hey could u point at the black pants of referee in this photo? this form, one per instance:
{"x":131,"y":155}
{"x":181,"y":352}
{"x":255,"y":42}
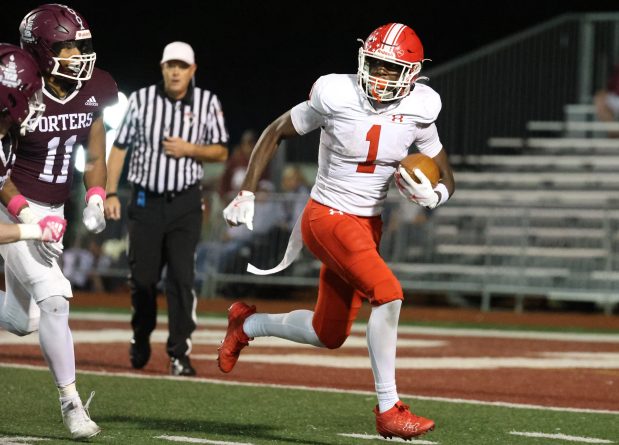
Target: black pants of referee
{"x":164,"y":230}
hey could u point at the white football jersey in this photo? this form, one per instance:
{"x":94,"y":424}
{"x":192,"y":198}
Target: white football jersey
{"x":360,"y":146}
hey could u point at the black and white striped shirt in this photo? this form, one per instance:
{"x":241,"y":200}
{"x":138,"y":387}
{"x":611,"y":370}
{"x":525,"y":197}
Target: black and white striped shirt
{"x":151,"y":116}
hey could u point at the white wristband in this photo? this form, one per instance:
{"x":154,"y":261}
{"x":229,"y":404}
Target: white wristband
{"x":29,"y":231}
{"x":442,"y":189}
{"x":27,"y":216}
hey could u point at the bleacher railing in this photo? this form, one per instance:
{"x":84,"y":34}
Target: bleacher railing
{"x":531,"y":75}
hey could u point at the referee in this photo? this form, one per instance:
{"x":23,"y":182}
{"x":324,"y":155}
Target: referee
{"x":170,"y":129}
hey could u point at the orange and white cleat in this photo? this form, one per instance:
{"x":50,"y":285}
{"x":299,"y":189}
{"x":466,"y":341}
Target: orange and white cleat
{"x":235,"y":339}
{"x":400,"y":422}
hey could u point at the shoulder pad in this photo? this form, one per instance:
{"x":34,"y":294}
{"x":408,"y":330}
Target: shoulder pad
{"x":423,"y":104}
{"x":332,"y":92}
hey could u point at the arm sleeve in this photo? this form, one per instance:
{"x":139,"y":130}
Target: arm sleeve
{"x":427,"y":140}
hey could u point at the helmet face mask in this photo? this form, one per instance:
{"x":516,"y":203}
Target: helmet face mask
{"x":36,"y":108}
{"x":21,"y":97}
{"x":75,"y":67}
{"x":53,"y":34}
{"x":398,"y":50}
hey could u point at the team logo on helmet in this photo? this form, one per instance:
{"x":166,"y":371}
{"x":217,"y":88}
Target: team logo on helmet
{"x":9,"y":76}
{"x":26,"y":33}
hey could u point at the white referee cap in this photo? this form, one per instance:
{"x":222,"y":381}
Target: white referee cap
{"x":178,"y":51}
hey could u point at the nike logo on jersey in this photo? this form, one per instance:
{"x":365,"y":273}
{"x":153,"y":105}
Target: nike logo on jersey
{"x":91,"y":102}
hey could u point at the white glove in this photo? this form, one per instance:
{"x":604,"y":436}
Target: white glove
{"x":93,"y":215}
{"x":420,"y":193}
{"x":49,"y":229}
{"x":241,"y":210}
{"x":49,"y":251}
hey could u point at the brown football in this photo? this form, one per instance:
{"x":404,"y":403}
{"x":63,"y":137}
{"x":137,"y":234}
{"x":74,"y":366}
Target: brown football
{"x":424,"y":163}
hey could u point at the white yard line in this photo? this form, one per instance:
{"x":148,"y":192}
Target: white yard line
{"x":206,"y":322}
{"x":565,"y":437}
{"x":320,"y":389}
{"x":556,"y":360}
{"x":496,"y":333}
{"x":186,"y":439}
{"x":201,"y":337}
{"x":20,"y":440}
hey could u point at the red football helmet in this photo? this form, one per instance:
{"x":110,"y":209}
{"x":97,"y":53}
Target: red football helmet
{"x":46,"y":30}
{"x":20,"y":88}
{"x":398,"y":46}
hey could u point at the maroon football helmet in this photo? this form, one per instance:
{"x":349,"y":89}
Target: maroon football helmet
{"x":46,"y":30}
{"x":398,"y":46}
{"x":20,"y":88}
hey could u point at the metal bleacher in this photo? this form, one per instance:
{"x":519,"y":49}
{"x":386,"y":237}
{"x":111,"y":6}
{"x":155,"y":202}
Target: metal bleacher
{"x":541,"y":221}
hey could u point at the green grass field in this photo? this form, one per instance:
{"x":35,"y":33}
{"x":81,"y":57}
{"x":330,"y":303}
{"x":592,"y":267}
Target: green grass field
{"x":134,"y":410}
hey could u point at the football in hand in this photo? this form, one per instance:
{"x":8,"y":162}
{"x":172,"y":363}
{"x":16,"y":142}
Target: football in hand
{"x":424,"y":163}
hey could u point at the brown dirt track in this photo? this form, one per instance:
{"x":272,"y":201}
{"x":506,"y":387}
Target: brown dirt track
{"x":593,"y":388}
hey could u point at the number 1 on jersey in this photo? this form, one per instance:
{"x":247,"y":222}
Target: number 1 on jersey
{"x":372,"y":136}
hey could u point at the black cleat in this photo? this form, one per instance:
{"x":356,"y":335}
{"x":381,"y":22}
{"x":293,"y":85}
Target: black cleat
{"x":181,"y":366}
{"x":139,"y":353}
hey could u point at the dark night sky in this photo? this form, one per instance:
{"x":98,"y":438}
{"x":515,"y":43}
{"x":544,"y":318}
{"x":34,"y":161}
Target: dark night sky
{"x":262,"y":57}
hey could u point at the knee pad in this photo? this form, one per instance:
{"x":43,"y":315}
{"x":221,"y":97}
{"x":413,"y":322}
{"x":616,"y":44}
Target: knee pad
{"x":55,"y":305}
{"x":30,"y":326}
{"x":20,"y":319}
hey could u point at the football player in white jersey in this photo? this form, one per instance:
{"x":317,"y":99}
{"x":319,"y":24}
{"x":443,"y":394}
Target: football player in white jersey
{"x":368,"y":122}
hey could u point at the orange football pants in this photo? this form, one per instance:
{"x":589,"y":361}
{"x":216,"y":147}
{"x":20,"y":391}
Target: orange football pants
{"x":352,"y":269}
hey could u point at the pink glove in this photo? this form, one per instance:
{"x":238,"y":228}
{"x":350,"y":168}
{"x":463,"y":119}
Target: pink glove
{"x":52,"y":228}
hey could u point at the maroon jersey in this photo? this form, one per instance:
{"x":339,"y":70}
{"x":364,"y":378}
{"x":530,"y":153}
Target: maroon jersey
{"x":43,"y":168}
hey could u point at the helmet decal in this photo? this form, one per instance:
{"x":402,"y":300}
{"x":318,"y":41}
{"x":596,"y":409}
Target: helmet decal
{"x":8,"y":74}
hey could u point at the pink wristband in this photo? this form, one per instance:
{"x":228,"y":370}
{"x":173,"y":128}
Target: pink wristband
{"x":95,"y":191}
{"x":16,"y":203}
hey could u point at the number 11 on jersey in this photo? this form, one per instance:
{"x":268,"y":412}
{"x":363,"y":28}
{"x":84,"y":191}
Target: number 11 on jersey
{"x":50,"y":160}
